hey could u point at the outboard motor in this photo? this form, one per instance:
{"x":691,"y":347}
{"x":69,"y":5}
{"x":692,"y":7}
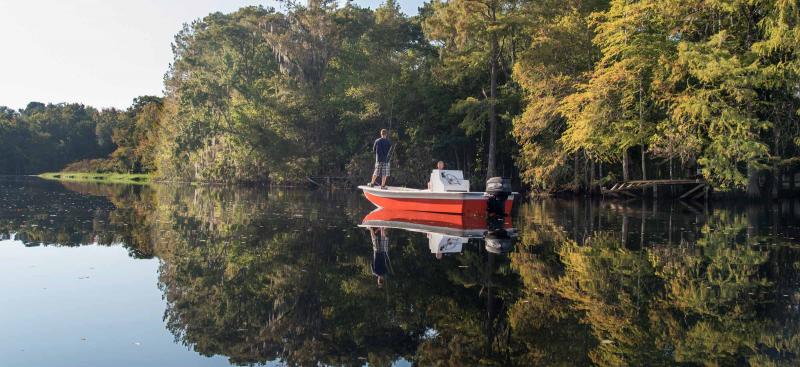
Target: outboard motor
{"x":497,"y":238}
{"x":498,"y":189}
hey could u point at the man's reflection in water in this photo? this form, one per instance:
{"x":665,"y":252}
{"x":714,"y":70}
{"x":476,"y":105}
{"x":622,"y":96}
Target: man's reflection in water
{"x":380,"y":253}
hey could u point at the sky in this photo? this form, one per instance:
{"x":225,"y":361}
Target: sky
{"x":101,"y":53}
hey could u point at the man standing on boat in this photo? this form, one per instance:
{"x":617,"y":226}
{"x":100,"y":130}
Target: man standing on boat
{"x":381,"y":147}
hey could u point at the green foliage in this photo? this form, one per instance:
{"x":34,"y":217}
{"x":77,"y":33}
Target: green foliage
{"x":548,"y":75}
{"x":53,"y":137}
{"x":478,"y":39}
{"x":134,"y":132}
{"x":711,"y":84}
{"x":47,"y":137}
{"x":259,"y":95}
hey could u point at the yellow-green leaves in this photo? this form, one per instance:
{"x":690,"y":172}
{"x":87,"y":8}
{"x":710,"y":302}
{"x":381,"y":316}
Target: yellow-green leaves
{"x":712,"y":82}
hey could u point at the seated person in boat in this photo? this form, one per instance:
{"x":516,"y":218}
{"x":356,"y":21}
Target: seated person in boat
{"x":382,"y":148}
{"x":439,"y":166}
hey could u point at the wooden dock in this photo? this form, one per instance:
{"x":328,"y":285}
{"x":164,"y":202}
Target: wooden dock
{"x":695,"y":188}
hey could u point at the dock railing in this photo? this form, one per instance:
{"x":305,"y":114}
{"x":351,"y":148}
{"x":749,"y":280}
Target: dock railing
{"x":698,"y":188}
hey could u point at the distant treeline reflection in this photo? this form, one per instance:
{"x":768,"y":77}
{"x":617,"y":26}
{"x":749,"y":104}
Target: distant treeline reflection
{"x":285,"y":275}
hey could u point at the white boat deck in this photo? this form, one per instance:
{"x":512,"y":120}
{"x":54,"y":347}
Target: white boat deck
{"x":393,"y":188}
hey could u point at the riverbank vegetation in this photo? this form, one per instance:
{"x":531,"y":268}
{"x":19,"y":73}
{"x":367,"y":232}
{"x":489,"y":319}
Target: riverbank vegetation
{"x":562,"y":95}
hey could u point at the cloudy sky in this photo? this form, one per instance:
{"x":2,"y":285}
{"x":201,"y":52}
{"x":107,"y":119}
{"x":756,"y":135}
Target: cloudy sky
{"x":101,"y":53}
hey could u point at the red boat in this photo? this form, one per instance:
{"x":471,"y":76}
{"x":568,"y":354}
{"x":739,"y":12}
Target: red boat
{"x":448,"y":193}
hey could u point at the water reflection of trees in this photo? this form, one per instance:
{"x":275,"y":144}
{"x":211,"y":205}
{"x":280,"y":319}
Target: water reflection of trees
{"x":711,"y":300}
{"x":44,"y":213}
{"x":703,"y":293}
{"x":292,"y":281}
{"x":286,"y":276}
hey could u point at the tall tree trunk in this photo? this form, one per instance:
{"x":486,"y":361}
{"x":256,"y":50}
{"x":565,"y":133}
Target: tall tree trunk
{"x":644,"y":169}
{"x":777,"y":182}
{"x":641,"y":129}
{"x":644,"y":166}
{"x":490,"y":169}
{"x":600,"y":171}
{"x":671,"y":187}
{"x":670,"y":168}
{"x":585,"y":174}
{"x":753,"y":190}
{"x":576,"y":180}
{"x":626,"y":159}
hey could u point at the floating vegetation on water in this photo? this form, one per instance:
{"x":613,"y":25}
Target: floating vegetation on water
{"x":126,"y":178}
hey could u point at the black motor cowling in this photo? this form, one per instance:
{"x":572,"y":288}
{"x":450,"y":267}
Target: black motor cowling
{"x":498,"y":189}
{"x":498,"y":185}
{"x":497,"y":241}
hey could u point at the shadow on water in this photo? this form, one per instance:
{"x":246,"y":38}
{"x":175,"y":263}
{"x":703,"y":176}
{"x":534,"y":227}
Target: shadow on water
{"x":290,"y":276}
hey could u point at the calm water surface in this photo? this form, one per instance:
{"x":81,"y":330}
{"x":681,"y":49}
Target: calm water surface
{"x":98,"y":275}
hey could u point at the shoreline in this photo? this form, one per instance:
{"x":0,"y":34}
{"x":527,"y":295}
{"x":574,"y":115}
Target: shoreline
{"x":143,"y":179}
{"x":147,"y":179}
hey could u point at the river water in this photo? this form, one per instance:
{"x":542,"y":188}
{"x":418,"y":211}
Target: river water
{"x":100,"y":275}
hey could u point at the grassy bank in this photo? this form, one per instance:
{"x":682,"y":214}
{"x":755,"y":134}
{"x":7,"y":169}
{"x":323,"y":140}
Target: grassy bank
{"x":127,"y":178}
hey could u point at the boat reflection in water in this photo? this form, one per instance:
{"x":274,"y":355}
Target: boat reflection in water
{"x":446,"y":233}
{"x":449,"y":234}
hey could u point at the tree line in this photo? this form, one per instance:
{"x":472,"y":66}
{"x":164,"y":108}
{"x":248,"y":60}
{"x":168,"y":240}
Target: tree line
{"x":73,"y":137}
{"x":46,"y":137}
{"x":562,"y":95}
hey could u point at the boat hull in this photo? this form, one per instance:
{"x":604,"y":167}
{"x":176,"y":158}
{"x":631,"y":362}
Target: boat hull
{"x":426,"y":201}
{"x":441,"y":221}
